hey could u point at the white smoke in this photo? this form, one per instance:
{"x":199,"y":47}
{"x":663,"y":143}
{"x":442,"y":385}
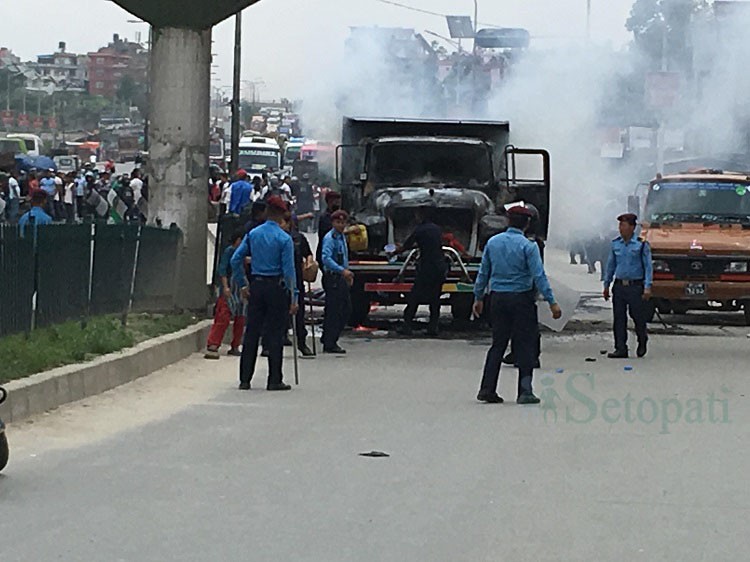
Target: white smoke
{"x":560,"y":99}
{"x":553,"y":100}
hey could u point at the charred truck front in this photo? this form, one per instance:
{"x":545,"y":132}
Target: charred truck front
{"x":466,"y":171}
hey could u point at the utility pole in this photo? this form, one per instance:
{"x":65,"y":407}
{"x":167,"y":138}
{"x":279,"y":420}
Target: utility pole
{"x":588,"y":21}
{"x":476,"y":23}
{"x":660,"y":133}
{"x":148,"y":89}
{"x":235,"y":148}
{"x":7,"y":100}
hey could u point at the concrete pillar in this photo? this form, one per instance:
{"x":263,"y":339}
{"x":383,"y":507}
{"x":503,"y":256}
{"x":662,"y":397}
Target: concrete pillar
{"x":178,"y":149}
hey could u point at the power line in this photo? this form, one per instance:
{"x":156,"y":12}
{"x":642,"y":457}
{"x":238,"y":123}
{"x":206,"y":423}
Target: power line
{"x":412,"y":8}
{"x":428,"y":12}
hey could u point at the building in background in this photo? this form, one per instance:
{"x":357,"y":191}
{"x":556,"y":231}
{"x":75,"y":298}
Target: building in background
{"x":109,"y":65}
{"x":68,"y":71}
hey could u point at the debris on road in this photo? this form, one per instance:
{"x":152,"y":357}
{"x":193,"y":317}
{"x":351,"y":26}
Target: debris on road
{"x":374,"y":454}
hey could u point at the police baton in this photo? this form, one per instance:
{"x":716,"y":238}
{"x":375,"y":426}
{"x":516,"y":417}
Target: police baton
{"x":294,"y":347}
{"x":312,"y":319}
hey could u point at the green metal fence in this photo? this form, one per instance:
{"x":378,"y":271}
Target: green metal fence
{"x":69,"y":272}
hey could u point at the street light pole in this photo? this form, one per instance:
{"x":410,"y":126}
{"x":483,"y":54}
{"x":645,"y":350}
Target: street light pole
{"x":588,"y":21}
{"x":235,"y":148}
{"x":476,"y":23}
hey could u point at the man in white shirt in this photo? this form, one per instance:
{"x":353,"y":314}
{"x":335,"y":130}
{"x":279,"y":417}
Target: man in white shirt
{"x":58,"y":198}
{"x":136,"y":187}
{"x":69,"y":198}
{"x":13,"y":199}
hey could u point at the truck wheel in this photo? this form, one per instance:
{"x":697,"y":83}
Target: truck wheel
{"x":461,"y":307}
{"x":360,"y":305}
{"x":679,"y":307}
{"x":746,"y":312}
{"x":4,"y":451}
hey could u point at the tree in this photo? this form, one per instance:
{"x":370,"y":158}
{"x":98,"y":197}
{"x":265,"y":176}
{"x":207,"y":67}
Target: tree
{"x":662,"y":30}
{"x":127,"y":89}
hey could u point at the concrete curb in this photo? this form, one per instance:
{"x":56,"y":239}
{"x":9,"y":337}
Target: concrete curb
{"x":45,"y":391}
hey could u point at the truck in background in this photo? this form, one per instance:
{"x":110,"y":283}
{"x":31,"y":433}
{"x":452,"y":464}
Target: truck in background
{"x":465,"y":170}
{"x":129,"y":148}
{"x":698,"y":226}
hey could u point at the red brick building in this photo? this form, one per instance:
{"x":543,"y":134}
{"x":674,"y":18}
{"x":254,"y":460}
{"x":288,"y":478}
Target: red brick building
{"x":110,"y":64}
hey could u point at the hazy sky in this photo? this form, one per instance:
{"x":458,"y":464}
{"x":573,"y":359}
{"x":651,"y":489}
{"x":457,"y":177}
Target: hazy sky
{"x":285,"y":39}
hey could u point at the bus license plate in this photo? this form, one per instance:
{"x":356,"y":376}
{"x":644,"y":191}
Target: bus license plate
{"x":695,"y":289}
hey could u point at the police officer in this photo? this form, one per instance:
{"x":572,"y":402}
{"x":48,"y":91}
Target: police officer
{"x":272,"y":279}
{"x":432,"y":268}
{"x":337,"y":279}
{"x":512,"y":268}
{"x":302,"y":255}
{"x":333,"y":204}
{"x":630,"y":267}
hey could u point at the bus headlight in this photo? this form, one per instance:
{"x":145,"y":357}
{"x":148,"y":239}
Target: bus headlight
{"x":736,"y":267}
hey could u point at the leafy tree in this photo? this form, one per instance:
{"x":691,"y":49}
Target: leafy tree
{"x":661,"y":28}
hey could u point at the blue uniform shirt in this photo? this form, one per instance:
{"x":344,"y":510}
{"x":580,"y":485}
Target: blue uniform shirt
{"x":272,"y":252}
{"x":240,"y":196}
{"x":335,"y":252}
{"x":629,"y":261}
{"x":48,"y":185}
{"x":511,"y":263}
{"x":40,"y":219}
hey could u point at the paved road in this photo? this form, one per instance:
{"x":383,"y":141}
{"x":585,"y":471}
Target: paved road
{"x":181,"y":466}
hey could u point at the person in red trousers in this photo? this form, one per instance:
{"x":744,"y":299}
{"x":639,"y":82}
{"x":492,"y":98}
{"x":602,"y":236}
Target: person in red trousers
{"x":229,"y":306}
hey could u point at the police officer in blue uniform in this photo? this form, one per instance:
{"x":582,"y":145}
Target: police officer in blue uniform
{"x":272,"y":287}
{"x":631,"y":268}
{"x":337,"y":280}
{"x":512,"y":269}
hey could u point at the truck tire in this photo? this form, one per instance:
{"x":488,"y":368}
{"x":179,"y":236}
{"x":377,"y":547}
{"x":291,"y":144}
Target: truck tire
{"x":461,"y":304}
{"x":4,"y":450}
{"x":746,"y":312}
{"x":680,"y":307}
{"x":360,"y":305}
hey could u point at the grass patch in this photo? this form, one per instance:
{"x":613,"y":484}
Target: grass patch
{"x":64,"y":344}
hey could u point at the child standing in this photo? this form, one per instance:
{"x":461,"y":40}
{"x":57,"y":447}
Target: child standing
{"x":228,"y":306}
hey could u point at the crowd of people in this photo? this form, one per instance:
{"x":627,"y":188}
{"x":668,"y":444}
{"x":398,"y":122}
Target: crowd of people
{"x":75,"y":196}
{"x":235,"y":197}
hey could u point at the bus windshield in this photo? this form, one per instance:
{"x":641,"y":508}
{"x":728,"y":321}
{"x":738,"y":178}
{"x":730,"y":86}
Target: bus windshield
{"x":258,"y":159}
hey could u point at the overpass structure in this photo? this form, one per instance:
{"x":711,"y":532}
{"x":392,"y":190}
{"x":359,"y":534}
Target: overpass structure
{"x":179,"y":103}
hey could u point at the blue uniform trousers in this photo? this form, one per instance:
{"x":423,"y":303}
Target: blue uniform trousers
{"x":628,"y":298}
{"x":513,"y":316}
{"x":338,"y":308}
{"x":267,"y":312}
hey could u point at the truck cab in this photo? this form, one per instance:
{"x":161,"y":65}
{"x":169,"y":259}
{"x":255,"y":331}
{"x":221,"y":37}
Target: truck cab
{"x":464,"y":170}
{"x":698,"y":226}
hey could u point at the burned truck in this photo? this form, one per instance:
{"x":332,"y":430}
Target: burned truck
{"x":466,"y":171}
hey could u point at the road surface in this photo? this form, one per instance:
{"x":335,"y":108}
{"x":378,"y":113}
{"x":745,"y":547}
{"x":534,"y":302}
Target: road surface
{"x":647,"y":463}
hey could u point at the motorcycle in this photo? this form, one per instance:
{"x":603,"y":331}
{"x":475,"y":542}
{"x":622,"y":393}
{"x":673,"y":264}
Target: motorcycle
{"x":4,"y":450}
